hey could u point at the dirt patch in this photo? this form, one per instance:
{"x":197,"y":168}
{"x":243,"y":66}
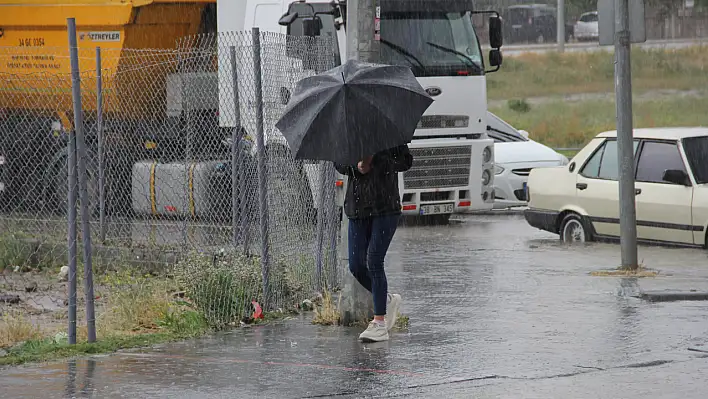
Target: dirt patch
{"x":38,"y":299}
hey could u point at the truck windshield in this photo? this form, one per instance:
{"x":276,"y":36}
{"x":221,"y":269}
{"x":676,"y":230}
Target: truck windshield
{"x":431,"y":43}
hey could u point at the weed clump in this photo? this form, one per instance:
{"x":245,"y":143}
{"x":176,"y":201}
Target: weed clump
{"x":222,"y":287}
{"x":327,"y":313}
{"x":16,"y":327}
{"x":142,"y":303}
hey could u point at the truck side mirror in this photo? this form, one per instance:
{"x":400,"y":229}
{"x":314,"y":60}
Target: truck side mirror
{"x":495,"y":58}
{"x":287,"y":19}
{"x":495,"y":32}
{"x":312,"y":26}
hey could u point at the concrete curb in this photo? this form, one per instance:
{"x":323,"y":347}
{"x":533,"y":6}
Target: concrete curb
{"x":674,"y":296}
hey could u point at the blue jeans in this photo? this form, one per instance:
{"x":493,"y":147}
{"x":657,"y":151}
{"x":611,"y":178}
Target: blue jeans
{"x":369,"y":240}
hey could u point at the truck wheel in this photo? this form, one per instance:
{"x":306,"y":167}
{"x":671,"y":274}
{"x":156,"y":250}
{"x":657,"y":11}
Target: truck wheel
{"x":56,"y":188}
{"x":573,"y":229}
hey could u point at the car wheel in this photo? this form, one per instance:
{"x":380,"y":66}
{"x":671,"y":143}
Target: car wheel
{"x":573,"y":229}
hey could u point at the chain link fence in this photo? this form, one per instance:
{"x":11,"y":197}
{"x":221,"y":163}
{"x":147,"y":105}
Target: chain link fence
{"x":185,"y":171}
{"x":35,"y":88}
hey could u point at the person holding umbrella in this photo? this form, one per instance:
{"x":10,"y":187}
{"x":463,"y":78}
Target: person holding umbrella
{"x":361,"y":117}
{"x":373,"y":206}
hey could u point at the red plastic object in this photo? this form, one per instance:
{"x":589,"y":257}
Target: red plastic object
{"x":258,"y":313}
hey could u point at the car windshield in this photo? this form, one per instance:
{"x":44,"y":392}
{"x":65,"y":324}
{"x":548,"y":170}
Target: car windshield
{"x":431,"y":43}
{"x":696,"y":149}
{"x":589,"y":18}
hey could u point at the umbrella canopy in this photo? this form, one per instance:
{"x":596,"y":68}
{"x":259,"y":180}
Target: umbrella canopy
{"x":353,"y":111}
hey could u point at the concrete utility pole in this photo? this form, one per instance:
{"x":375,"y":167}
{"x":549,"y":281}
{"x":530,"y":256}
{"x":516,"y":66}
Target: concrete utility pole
{"x":625,"y":146}
{"x":356,"y":302}
{"x":560,"y":30}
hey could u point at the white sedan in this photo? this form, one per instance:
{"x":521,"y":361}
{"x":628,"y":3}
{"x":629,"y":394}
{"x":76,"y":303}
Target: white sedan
{"x":587,"y":27}
{"x":514,"y":157}
{"x":580,"y":202}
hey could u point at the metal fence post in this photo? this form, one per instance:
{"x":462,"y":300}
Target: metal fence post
{"x":625,"y":146}
{"x":235,"y":145}
{"x":262,"y":167}
{"x":83,"y":187}
{"x":185,"y":107}
{"x":99,"y":136}
{"x":71,"y":201}
{"x":244,"y":196}
{"x":560,"y":26}
{"x":333,"y":234}
{"x":321,"y":218}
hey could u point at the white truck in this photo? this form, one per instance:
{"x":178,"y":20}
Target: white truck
{"x":453,"y":167}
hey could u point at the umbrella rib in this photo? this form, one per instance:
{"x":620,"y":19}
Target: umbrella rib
{"x":295,"y":100}
{"x":366,"y":94}
{"x":316,"y":114}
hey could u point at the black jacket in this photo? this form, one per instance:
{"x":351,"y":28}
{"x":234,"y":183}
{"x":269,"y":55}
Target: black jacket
{"x":376,"y":193}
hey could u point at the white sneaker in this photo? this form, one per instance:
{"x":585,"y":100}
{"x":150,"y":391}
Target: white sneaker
{"x":392,"y":308}
{"x":376,"y":332}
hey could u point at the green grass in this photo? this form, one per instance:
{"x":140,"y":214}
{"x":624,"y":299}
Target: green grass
{"x":176,"y":327}
{"x":48,"y":349}
{"x":559,"y":124}
{"x":549,"y":74}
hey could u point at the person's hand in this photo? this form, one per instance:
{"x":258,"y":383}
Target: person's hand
{"x":364,"y":166}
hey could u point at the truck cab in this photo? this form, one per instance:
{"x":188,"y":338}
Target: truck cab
{"x":453,"y":157}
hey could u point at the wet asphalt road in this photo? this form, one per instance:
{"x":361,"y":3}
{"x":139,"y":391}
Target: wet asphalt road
{"x":497,"y":310}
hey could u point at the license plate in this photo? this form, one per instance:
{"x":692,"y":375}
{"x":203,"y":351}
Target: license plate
{"x":436,"y":209}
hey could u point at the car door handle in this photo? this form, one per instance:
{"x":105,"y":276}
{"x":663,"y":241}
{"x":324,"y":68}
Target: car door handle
{"x":637,"y":191}
{"x":581,"y":186}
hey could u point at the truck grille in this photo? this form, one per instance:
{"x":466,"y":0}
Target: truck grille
{"x":438,"y":167}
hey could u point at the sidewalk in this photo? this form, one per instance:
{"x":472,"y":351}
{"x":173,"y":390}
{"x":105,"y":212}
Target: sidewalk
{"x":497,"y":309}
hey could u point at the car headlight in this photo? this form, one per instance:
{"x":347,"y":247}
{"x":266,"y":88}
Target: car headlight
{"x":498,"y":170}
{"x":486,"y":177}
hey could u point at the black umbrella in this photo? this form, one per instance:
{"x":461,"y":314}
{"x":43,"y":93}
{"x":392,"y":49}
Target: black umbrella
{"x":353,"y":111}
